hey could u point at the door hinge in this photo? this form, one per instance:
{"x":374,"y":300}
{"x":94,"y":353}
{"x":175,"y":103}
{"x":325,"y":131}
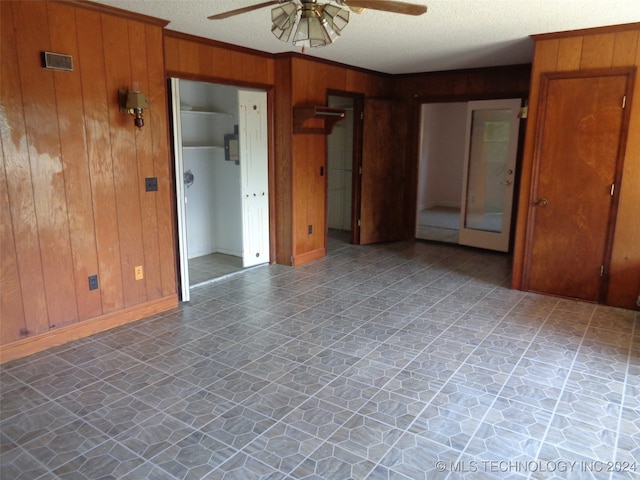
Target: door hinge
{"x":359,"y":170}
{"x":613,"y":189}
{"x":624,"y":101}
{"x":358,"y":222}
{"x":602,"y":270}
{"x":361,"y":115}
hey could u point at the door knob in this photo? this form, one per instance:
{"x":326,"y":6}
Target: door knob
{"x":507,"y":182}
{"x":543,"y":202}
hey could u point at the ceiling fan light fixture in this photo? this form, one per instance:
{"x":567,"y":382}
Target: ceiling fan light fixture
{"x":337,"y":18}
{"x":312,"y":28}
{"x":284,"y":19}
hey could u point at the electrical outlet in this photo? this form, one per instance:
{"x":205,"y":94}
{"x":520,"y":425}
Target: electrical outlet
{"x":139,"y":273}
{"x":93,"y":282}
{"x":310,"y":229}
{"x":151,"y":184}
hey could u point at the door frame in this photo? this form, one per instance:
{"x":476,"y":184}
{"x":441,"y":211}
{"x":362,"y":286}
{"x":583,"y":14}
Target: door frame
{"x":179,"y":193}
{"x":269,"y":90}
{"x":482,"y":238}
{"x":533,"y":170}
{"x":415,"y":130}
{"x":356,"y":177}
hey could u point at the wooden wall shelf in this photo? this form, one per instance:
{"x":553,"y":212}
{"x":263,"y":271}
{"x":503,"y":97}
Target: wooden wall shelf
{"x":302,"y":113}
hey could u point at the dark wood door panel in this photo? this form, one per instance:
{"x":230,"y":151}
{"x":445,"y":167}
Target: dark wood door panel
{"x":384,"y":189}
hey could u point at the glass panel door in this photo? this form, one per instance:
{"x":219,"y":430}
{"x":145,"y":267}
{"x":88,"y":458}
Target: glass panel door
{"x":489,"y":172}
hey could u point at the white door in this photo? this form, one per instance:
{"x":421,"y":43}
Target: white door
{"x":181,"y":199}
{"x":489,"y":173}
{"x":254,"y":175}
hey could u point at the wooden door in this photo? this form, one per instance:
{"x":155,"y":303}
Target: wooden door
{"x":577,"y":157}
{"x":383,"y":210}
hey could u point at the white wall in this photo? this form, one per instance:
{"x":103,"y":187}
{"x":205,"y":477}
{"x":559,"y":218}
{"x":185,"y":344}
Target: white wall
{"x":442,"y":154}
{"x":214,"y":211}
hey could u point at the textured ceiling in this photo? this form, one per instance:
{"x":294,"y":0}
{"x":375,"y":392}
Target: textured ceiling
{"x":453,"y":34}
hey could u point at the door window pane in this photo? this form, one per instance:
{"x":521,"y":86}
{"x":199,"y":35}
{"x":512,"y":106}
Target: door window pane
{"x":488,"y":157}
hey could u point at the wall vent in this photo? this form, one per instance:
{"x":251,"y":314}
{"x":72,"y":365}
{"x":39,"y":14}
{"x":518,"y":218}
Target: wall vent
{"x":57,"y":61}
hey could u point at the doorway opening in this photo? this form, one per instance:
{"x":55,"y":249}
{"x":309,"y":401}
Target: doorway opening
{"x":221,"y":165}
{"x":467,"y":172}
{"x":343,"y":165}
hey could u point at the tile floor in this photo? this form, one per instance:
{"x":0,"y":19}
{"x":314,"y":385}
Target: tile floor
{"x":207,"y":267}
{"x":399,"y":361}
{"x":441,"y":224}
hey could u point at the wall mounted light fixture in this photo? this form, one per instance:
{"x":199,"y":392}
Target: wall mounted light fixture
{"x":133,"y":102}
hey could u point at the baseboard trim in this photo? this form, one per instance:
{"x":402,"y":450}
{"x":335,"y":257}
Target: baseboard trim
{"x":309,"y":256}
{"x":60,"y":336}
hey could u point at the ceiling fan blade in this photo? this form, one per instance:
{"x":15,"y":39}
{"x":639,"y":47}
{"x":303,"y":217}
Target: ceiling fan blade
{"x":388,"y":6}
{"x":238,"y":11}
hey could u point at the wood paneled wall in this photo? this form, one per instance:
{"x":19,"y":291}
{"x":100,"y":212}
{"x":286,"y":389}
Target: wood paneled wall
{"x":497,"y":82}
{"x":187,"y":56}
{"x":72,"y":183}
{"x":601,"y":48}
{"x":310,"y":81}
{"x":299,"y":191}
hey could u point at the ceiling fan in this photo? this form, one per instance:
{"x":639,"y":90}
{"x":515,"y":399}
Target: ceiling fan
{"x":318,"y":24}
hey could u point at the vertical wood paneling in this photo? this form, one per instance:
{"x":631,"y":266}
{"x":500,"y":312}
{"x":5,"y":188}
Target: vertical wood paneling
{"x":309,"y":154}
{"x":29,"y":277}
{"x":12,"y":322}
{"x":74,"y":151}
{"x":171,"y":52}
{"x":597,"y":51}
{"x":96,"y":111}
{"x":162,"y":207}
{"x":205,"y":60}
{"x":499,"y":82}
{"x":544,"y":60}
{"x":625,"y":48}
{"x":569,"y":53}
{"x":189,"y":57}
{"x":123,"y":149}
{"x":310,"y":82}
{"x":47,"y":175}
{"x":283,"y":171}
{"x":624,"y":276}
{"x":72,"y":177}
{"x":221,"y":59}
{"x":149,"y":258}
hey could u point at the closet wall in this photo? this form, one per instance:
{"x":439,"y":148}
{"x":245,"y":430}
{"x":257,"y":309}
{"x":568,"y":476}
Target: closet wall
{"x":213,"y":208}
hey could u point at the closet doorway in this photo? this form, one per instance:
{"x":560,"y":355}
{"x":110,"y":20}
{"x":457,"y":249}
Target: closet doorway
{"x":221,"y":164}
{"x":467,"y":171}
{"x":340,"y":170}
{"x":343,"y":164}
